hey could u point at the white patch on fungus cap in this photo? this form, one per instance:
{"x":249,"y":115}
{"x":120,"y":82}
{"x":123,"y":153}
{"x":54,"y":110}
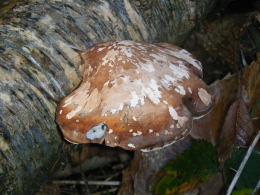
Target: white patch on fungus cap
{"x":73,"y":112}
{"x":106,"y":83}
{"x":137,"y":133}
{"x":131,"y":145}
{"x":181,"y":119}
{"x":148,"y":67}
{"x":189,"y":89}
{"x":111,"y":54}
{"x":204,"y":96}
{"x":154,"y":92}
{"x":183,"y":54}
{"x":101,"y":48}
{"x":135,"y":99}
{"x":68,"y":101}
{"x":96,"y":132}
{"x":180,"y":71}
{"x":180,"y":89}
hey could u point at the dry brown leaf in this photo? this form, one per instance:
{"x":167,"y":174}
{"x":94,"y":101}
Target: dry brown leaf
{"x":225,"y":92}
{"x":252,"y":86}
{"x":244,"y":126}
{"x":208,"y":127}
{"x":237,"y":129}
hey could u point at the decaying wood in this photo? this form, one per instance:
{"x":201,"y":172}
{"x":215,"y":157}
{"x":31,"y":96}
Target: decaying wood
{"x":39,"y":55}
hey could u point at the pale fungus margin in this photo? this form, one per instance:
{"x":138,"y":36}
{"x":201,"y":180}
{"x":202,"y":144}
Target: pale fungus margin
{"x":134,"y":95}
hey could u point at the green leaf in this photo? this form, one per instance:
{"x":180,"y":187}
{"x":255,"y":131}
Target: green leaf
{"x":198,"y":162}
{"x":251,"y":173}
{"x":242,"y":192}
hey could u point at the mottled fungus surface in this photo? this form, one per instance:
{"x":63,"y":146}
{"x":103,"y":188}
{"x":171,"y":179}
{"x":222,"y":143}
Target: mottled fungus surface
{"x":134,"y":95}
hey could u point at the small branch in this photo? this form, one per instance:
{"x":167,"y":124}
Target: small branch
{"x":95,"y":162}
{"x":100,"y":183}
{"x":90,"y":164}
{"x":233,"y":170}
{"x":114,"y":175}
{"x":242,"y":165}
{"x":256,"y":188}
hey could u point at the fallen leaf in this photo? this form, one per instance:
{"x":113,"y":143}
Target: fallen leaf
{"x":225,"y":94}
{"x":209,"y":127}
{"x":252,"y":86}
{"x":237,"y":129}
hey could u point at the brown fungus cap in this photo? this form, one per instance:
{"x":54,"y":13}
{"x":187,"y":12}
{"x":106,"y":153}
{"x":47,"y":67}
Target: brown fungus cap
{"x":134,"y":95}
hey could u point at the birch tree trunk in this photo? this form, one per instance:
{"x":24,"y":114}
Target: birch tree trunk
{"x":39,"y":56}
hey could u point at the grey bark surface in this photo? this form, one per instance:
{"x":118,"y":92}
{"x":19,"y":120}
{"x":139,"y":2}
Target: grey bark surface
{"x":39,"y":55}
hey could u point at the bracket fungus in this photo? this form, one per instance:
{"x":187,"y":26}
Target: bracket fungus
{"x":134,"y":95}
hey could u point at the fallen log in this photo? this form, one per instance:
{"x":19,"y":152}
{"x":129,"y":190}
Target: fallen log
{"x":40,"y":46}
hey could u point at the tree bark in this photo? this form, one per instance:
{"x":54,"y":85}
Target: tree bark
{"x":40,"y":44}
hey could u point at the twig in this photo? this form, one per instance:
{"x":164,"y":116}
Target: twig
{"x":233,"y":169}
{"x":243,"y":163}
{"x":114,"y":175}
{"x":256,"y":188}
{"x":243,"y":58}
{"x":100,"y":183}
{"x":95,"y":162}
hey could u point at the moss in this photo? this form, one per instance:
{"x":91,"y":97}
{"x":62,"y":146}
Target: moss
{"x":188,"y":169}
{"x":243,"y":192}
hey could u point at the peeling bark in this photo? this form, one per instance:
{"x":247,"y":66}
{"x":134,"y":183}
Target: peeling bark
{"x":40,"y":44}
